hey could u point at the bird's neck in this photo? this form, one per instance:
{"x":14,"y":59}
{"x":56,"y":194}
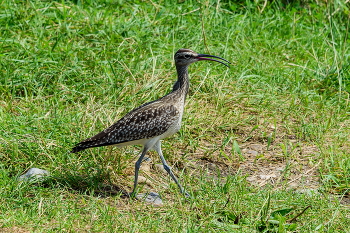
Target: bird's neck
{"x":182,"y":84}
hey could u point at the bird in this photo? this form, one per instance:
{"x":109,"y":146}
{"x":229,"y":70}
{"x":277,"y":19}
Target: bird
{"x":151,"y":122}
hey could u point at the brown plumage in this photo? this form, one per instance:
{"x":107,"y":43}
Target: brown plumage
{"x":153,"y":121}
{"x":141,"y":123}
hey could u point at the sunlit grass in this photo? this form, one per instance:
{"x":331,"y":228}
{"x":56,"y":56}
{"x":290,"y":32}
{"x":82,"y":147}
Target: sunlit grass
{"x":70,"y":69}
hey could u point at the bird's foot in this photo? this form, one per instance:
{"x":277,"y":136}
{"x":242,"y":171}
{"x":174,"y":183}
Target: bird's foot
{"x":132,"y":195}
{"x":187,"y":195}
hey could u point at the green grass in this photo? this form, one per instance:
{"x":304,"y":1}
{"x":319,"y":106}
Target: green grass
{"x":70,"y":69}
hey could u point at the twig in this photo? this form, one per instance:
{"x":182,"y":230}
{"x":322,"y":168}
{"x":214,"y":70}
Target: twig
{"x":203,"y":32}
{"x":191,"y":11}
{"x":228,"y":200}
{"x":295,"y":218}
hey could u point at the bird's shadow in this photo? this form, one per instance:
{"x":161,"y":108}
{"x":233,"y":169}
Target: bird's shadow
{"x":96,"y":184}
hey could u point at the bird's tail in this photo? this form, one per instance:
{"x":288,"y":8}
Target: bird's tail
{"x":81,"y":146}
{"x":88,"y":144}
{"x":95,"y":141}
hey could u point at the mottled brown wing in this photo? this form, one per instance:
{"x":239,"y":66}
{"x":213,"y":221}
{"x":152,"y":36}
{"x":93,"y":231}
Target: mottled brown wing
{"x":144,"y":122}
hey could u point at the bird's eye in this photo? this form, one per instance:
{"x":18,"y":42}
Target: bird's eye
{"x":187,"y":56}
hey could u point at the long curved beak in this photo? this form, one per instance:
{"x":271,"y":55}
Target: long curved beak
{"x":202,"y":57}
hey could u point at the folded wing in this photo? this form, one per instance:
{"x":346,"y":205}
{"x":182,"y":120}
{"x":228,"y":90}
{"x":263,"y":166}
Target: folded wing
{"x":147,"y":121}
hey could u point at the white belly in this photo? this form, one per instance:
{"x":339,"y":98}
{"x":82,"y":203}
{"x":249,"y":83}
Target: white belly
{"x":173,"y":128}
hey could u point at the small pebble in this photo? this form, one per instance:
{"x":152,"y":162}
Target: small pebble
{"x":256,"y":147}
{"x":144,"y":180}
{"x":309,"y":192}
{"x":145,"y":167}
{"x":146,"y":159}
{"x":151,"y":197}
{"x":34,"y":174}
{"x":160,"y":168}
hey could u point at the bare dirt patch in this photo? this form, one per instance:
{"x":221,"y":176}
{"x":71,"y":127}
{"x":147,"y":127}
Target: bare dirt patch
{"x":14,"y":230}
{"x":284,"y":162}
{"x":296,"y":170}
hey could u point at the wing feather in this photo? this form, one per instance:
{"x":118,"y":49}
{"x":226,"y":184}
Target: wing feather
{"x":148,"y":121}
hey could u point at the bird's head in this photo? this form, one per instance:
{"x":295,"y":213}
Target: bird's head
{"x":184,"y":57}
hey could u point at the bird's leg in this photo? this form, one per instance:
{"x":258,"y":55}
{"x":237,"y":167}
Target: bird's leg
{"x":157,"y":147}
{"x":145,"y":159}
{"x":137,"y":168}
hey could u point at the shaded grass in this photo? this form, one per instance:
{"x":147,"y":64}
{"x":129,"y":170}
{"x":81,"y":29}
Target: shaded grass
{"x":208,"y":210}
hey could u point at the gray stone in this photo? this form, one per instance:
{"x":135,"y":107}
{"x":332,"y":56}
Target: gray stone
{"x":151,"y":197}
{"x":34,"y":174}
